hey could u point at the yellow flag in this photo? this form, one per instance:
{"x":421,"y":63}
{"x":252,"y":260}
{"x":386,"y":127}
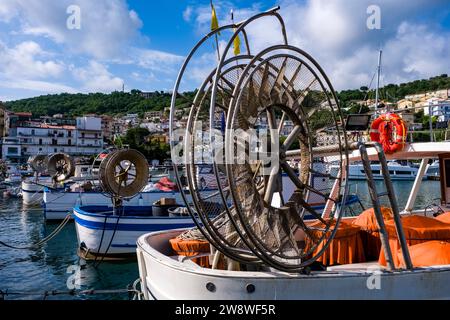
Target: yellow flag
{"x":214,"y":21}
{"x":237,"y":45}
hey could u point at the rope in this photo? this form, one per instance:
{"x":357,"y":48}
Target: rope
{"x":44,"y":240}
{"x":111,"y":240}
{"x":131,"y":290}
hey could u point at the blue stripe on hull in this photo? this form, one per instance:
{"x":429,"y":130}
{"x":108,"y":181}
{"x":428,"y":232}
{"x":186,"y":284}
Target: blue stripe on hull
{"x":132,"y":227}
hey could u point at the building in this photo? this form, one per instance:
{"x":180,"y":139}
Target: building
{"x":438,"y":107}
{"x":14,"y":120}
{"x":131,"y":119}
{"x":150,"y":115}
{"x":34,"y":137}
{"x":2,"y":122}
{"x":107,"y":127}
{"x":440,"y":94}
{"x":404,"y":104}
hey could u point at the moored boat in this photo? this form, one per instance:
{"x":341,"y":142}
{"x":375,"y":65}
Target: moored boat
{"x":103,"y":231}
{"x":254,"y":250}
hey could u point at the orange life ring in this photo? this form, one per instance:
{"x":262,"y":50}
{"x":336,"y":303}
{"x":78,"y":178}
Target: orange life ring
{"x":389,"y":130}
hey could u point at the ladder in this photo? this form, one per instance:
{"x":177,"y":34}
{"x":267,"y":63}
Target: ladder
{"x":375,"y":198}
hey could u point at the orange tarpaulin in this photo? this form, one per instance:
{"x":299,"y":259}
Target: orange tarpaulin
{"x":430,"y":253}
{"x":190,"y":248}
{"x":370,"y":233}
{"x":345,"y":248}
{"x":445,"y":217}
{"x":417,"y":229}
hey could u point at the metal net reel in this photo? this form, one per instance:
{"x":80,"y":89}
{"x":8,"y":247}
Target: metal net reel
{"x":61,"y":167}
{"x":261,"y":209}
{"x":123,"y":174}
{"x":38,"y":163}
{"x":95,"y":167}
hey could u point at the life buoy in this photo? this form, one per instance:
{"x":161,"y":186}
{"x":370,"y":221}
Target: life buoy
{"x":389,"y":130}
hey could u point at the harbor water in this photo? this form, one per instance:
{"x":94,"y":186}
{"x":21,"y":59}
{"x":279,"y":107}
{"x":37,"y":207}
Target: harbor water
{"x":56,"y":266}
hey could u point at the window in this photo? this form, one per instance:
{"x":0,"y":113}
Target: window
{"x":32,"y":132}
{"x":69,"y":142}
{"x":55,"y":150}
{"x":69,"y":133}
{"x":40,"y":149}
{"x":54,"y":142}
{"x":25,"y":149}
{"x":13,"y":150}
{"x":40,"y":141}
{"x":403,"y":172}
{"x":82,"y":134}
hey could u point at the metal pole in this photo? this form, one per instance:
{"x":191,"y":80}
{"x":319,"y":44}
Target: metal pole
{"x":394,"y":205}
{"x":417,"y":182}
{"x":376,"y":207}
{"x":378,"y":81}
{"x":431,"y":123}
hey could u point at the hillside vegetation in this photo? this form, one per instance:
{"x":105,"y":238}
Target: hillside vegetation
{"x":117,"y":103}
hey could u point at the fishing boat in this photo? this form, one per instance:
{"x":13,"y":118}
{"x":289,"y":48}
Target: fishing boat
{"x":33,"y":188}
{"x":108,"y":232}
{"x":110,"y":226}
{"x":158,"y":262}
{"x":58,"y":202}
{"x":254,"y":250}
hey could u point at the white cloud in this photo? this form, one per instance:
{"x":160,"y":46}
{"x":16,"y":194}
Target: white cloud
{"x":37,"y":86}
{"x":157,"y":60}
{"x":28,"y":60}
{"x":336,"y":35}
{"x":187,"y":13}
{"x":95,"y":77}
{"x":107,"y":26}
{"x":8,"y":10}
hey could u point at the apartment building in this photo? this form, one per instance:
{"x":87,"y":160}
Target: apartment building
{"x":34,"y":137}
{"x":438,"y":107}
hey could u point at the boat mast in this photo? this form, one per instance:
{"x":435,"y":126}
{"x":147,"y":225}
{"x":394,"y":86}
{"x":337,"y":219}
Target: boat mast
{"x":378,"y":81}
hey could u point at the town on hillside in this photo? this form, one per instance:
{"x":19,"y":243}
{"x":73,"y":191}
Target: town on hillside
{"x":24,"y":135}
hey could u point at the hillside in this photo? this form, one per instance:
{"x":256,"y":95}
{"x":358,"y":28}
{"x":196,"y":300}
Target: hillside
{"x":124,"y":102}
{"x":394,"y":92}
{"x":112,"y":104}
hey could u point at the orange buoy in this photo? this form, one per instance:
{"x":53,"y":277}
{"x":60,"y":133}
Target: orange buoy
{"x":389,"y":130}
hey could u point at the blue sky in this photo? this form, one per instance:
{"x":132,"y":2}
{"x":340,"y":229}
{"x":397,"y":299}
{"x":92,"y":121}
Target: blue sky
{"x":141,"y":44}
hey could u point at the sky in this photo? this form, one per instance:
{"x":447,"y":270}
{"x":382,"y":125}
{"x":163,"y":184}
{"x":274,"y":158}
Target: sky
{"x":138,"y":44}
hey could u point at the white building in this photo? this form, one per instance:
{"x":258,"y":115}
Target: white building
{"x":439,"y":108}
{"x":42,"y":138}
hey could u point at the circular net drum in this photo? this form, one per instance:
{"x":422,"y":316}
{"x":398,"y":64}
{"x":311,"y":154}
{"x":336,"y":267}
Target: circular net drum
{"x":259,"y":126}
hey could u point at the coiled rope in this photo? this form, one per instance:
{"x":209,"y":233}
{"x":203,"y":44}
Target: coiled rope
{"x":43,"y":241}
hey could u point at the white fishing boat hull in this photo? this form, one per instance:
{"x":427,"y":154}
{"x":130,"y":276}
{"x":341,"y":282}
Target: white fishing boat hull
{"x":32,"y":193}
{"x":95,"y":231}
{"x":188,"y":281}
{"x":57,"y":204}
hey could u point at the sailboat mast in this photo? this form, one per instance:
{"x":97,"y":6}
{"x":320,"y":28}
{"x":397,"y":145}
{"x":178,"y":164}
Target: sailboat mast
{"x":378,"y":81}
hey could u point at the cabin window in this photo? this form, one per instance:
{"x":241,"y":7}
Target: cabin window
{"x":391,"y":172}
{"x":376,"y":171}
{"x":403,"y":172}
